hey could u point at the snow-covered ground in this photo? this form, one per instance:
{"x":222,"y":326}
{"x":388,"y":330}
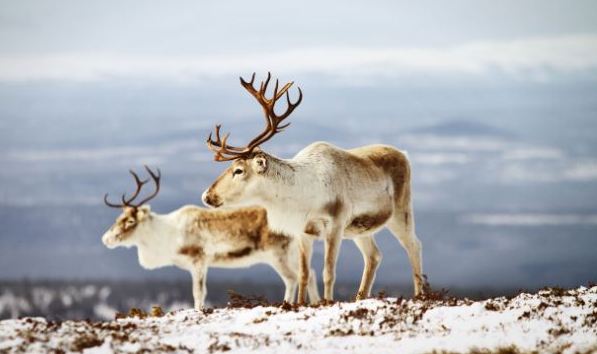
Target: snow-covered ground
{"x":552,"y":320}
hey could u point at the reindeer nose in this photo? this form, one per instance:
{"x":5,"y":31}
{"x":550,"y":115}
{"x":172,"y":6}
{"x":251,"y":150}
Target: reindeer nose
{"x":210,"y":199}
{"x":204,"y":198}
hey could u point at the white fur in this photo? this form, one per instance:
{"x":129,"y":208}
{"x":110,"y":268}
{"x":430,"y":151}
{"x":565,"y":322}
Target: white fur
{"x":159,"y":238}
{"x":295,"y":192}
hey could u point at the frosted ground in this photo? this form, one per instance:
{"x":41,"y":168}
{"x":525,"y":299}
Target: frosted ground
{"x":551,"y":320}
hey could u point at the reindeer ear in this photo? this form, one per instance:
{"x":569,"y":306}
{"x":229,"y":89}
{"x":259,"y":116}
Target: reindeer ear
{"x":143,"y":212}
{"x":260,"y":164}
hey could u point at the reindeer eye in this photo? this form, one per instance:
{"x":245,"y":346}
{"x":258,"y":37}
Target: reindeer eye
{"x":130,"y":222}
{"x":237,"y":171}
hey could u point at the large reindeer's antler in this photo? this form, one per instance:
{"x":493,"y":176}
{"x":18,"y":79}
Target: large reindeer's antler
{"x":128,"y":202}
{"x":225,"y":152}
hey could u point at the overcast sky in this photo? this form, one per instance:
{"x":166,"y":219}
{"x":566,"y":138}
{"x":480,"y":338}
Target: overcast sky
{"x":192,"y":40}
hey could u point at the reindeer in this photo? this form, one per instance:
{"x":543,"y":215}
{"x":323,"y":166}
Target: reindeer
{"x":323,"y":192}
{"x":194,"y":239}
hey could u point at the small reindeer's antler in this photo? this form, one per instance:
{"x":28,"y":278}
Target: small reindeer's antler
{"x":225,"y":152}
{"x":128,"y":202}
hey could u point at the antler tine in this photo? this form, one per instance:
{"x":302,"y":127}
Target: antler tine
{"x":273,"y":120}
{"x":224,"y":152}
{"x":284,"y":90}
{"x":156,"y":180}
{"x":126,"y":202}
{"x":139,"y":183}
{"x":250,"y":83}
{"x":249,"y":86}
{"x":111,"y":204}
{"x":156,"y":176}
{"x":220,"y":147}
{"x":218,"y":141}
{"x":291,"y":107}
{"x":275,"y":95}
{"x":263,"y":87}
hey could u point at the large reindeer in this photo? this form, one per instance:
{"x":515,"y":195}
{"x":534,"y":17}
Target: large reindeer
{"x":323,"y":191}
{"x":194,"y":239}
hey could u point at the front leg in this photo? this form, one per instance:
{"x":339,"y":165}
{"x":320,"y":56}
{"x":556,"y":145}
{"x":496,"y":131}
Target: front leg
{"x":332,"y":245}
{"x":305,"y":253}
{"x":287,"y":273}
{"x":199,"y":275}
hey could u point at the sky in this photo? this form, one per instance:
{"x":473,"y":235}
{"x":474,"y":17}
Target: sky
{"x":194,"y":41}
{"x":495,"y":101}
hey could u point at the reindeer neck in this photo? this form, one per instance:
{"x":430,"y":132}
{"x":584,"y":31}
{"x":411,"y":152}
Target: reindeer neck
{"x":157,"y":241}
{"x":284,"y":194}
{"x":281,"y":171}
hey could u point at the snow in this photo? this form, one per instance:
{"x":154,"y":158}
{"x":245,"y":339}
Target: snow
{"x":552,"y":320}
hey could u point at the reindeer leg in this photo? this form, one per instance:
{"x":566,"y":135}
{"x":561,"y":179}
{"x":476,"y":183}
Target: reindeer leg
{"x":372,"y":258}
{"x":305,"y":253}
{"x":199,"y":275}
{"x":331,"y":248}
{"x":312,"y":288}
{"x":402,"y":225}
{"x":288,"y":275}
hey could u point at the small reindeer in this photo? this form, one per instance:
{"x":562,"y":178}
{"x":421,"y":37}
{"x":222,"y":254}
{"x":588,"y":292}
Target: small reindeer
{"x":195,"y":238}
{"x":323,"y":191}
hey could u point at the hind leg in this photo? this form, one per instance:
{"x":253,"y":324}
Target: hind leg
{"x":402,"y":225}
{"x":372,"y":258}
{"x":312,"y":288}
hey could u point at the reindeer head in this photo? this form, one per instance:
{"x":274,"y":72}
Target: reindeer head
{"x":133,"y":216}
{"x":245,"y":177}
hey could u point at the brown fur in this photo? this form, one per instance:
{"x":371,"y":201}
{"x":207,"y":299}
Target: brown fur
{"x":245,"y":230}
{"x":392,"y":162}
{"x":191,"y":251}
{"x":240,"y":253}
{"x":121,"y":223}
{"x":367,"y":222}
{"x":277,"y":238}
{"x":274,"y":240}
{"x":395,"y":164}
{"x":244,"y":227}
{"x":334,"y":207}
{"x":312,"y":229}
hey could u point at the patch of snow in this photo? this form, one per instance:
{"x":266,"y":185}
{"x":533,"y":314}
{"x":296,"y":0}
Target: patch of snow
{"x":104,"y":293}
{"x":89,"y":291}
{"x":43,"y":297}
{"x":104,"y":311}
{"x":13,"y":304}
{"x":67,"y":300}
{"x":552,"y":320}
